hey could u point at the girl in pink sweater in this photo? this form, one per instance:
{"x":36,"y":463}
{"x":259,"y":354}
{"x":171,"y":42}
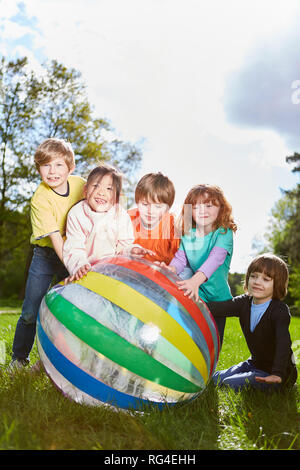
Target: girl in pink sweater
{"x":97,"y":226}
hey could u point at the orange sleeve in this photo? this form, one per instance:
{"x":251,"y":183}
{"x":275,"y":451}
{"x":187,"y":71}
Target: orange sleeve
{"x":175,"y":239}
{"x":162,"y":240}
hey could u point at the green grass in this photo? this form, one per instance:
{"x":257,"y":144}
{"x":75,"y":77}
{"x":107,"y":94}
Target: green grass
{"x":35,"y":415}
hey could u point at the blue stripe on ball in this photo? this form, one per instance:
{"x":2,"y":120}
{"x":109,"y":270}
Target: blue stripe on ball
{"x":86,"y":382}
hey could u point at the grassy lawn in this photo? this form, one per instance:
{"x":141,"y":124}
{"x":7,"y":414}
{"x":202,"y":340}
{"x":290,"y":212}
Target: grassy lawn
{"x":35,"y":415}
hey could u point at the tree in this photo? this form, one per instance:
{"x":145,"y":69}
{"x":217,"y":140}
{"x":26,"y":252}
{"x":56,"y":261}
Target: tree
{"x":236,"y":283}
{"x":284,"y":234}
{"x":294,"y":286}
{"x":34,"y":107}
{"x":54,"y":104}
{"x":18,"y":107}
{"x":294,"y":159}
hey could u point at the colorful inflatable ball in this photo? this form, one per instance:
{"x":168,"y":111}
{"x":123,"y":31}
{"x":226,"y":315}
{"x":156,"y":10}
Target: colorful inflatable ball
{"x":126,"y":336}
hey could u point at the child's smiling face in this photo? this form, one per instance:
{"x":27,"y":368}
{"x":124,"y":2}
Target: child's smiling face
{"x":205,"y":213}
{"x":100,"y":194}
{"x":260,"y":286}
{"x":151,"y":212}
{"x":55,"y":174}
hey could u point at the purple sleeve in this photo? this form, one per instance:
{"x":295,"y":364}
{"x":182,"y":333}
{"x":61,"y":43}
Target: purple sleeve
{"x":215,"y":258}
{"x":179,"y":261}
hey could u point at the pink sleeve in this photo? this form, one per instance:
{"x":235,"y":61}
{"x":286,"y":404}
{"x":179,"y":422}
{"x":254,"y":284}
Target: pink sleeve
{"x":125,"y":234}
{"x":215,"y":258}
{"x":74,"y":248}
{"x":179,"y":261}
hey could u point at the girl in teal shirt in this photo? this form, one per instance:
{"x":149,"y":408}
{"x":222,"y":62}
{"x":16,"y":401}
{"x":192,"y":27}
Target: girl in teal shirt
{"x":206,"y":246}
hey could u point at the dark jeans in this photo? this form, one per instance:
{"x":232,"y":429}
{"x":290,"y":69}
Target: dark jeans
{"x":44,"y":266}
{"x":243,"y":375}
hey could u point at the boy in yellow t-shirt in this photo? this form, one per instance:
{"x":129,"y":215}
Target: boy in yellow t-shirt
{"x":57,"y":193}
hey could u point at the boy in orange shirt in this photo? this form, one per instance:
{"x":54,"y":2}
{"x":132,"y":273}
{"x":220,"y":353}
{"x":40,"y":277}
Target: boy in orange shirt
{"x":154,"y":227}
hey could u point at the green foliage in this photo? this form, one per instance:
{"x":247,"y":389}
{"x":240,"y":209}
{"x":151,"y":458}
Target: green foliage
{"x":33,"y":107}
{"x":294,"y":159}
{"x":14,"y":250}
{"x":283,"y":235}
{"x":52,"y":104}
{"x":294,"y":288}
{"x":236,"y":283}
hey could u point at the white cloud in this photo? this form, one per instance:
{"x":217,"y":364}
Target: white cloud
{"x":12,"y":30}
{"x":157,"y":69}
{"x":8,"y":8}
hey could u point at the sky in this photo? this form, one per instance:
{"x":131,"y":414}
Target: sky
{"x":210,"y":89}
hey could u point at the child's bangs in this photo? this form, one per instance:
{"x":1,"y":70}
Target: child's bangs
{"x":97,"y":178}
{"x":204,"y":196}
{"x":263,"y":265}
{"x":94,"y":180}
{"x":98,"y":174}
{"x":152,"y":195}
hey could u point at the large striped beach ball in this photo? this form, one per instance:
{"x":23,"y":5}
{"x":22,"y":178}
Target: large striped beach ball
{"x":126,"y":336}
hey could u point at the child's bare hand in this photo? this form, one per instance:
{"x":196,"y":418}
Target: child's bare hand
{"x":68,"y":279}
{"x":79,"y":274}
{"x":140,"y":252}
{"x":269,"y":379}
{"x":191,"y":286}
{"x":82,"y":271}
{"x":162,"y":264}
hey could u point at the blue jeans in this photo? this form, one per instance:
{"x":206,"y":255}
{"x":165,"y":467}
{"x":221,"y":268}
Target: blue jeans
{"x":242,"y":375}
{"x":45,"y":264}
{"x":187,"y":273}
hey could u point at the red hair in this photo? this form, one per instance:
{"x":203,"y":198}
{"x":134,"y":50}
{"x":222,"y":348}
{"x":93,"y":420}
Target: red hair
{"x":207,"y":193}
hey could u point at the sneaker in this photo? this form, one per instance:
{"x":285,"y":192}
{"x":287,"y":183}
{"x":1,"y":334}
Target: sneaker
{"x":17,"y":364}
